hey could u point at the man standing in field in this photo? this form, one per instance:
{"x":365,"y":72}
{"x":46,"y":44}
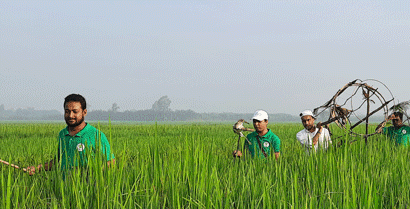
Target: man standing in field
{"x":312,"y":137}
{"x":398,"y":133}
{"x":78,"y":139}
{"x":262,"y":141}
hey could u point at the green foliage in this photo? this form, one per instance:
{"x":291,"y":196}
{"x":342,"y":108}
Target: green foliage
{"x":190,"y":166}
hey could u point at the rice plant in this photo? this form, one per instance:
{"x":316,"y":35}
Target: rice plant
{"x":191,"y":166}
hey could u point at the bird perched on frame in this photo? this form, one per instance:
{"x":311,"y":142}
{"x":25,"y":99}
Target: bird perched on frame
{"x":238,"y":127}
{"x":366,"y":96}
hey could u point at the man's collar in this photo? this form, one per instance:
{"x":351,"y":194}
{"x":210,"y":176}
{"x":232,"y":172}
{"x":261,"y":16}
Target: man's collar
{"x":79,"y":133}
{"x":266,"y":135}
{"x":307,"y":131}
{"x":398,"y":128}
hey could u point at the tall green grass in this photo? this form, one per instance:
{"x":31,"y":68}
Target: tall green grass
{"x":190,"y":166}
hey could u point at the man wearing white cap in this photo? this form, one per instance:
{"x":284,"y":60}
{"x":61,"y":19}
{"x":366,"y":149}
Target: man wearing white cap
{"x":312,"y":136}
{"x":262,"y":141}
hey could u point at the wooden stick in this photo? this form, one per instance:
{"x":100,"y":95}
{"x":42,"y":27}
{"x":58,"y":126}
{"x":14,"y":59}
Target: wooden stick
{"x":237,"y":148}
{"x":367,"y":118}
{"x":12,"y":165}
{"x":370,"y":114}
{"x":331,"y":120}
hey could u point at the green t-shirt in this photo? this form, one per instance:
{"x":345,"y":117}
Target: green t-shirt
{"x":399,"y":136}
{"x":268,"y":141}
{"x":73,"y":150}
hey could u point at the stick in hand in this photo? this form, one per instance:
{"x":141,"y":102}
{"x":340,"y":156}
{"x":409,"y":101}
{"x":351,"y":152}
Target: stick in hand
{"x":12,"y":165}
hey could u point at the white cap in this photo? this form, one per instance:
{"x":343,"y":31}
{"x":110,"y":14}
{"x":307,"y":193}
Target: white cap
{"x":260,"y":115}
{"x":307,"y":112}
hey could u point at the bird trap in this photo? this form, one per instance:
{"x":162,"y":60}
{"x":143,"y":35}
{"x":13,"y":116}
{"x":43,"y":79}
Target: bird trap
{"x":355,"y":103}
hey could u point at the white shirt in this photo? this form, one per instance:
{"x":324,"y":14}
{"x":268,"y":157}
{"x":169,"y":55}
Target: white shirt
{"x":305,"y":138}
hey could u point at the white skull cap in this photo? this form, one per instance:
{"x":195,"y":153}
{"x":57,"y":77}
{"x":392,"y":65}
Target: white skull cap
{"x":307,"y":112}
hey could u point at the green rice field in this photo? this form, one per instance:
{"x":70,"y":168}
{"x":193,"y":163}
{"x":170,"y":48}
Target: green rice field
{"x":191,"y":166}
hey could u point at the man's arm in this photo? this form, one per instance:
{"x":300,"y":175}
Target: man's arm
{"x":111,"y":163}
{"x":105,"y":149}
{"x":379,"y":128}
{"x":276,"y":147}
{"x":277,"y":155}
{"x":47,"y":166}
{"x":318,"y":133}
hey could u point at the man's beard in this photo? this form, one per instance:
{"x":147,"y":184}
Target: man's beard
{"x":397,"y":124}
{"x":75,"y":124}
{"x":309,"y":127}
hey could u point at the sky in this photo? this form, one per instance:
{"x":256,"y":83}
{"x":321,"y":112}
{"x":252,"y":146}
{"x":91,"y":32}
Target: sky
{"x":207,"y":56}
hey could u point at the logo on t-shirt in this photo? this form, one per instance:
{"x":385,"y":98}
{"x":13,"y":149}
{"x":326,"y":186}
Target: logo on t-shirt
{"x":266,"y":144}
{"x":404,"y":131}
{"x":80,"y":147}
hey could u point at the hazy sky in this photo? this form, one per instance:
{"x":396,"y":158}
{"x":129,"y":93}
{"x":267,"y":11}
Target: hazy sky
{"x":208,"y":56}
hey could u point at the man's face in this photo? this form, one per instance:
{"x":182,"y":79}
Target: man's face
{"x":308,"y":122}
{"x":260,"y":126}
{"x":74,"y":114}
{"x":396,"y":121}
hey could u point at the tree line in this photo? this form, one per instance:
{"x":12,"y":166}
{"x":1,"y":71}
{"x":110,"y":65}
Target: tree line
{"x":160,"y":111}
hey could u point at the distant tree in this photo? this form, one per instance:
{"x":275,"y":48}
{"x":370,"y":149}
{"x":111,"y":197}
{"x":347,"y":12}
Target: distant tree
{"x":115,"y":107}
{"x":2,"y":108}
{"x":162,"y":104}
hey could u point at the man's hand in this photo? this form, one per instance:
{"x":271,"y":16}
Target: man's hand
{"x":318,"y":133}
{"x":111,"y":163}
{"x":32,"y":170}
{"x":319,"y":126}
{"x":379,"y":127}
{"x":382,"y":124}
{"x":237,"y":153}
{"x":277,"y":155}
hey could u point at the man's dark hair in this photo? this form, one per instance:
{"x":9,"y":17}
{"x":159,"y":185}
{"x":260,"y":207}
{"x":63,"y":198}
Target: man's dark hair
{"x":400,"y":114}
{"x":76,"y":98}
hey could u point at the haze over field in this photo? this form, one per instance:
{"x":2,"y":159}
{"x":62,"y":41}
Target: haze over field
{"x":207,"y":56}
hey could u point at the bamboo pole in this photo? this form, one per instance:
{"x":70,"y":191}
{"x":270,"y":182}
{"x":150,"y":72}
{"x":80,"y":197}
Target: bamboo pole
{"x":367,"y":114}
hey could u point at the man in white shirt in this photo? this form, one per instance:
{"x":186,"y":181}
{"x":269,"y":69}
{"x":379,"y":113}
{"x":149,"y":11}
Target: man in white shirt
{"x":313,"y":136}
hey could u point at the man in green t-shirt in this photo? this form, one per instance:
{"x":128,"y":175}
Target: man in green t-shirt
{"x":398,"y":133}
{"x":262,"y":142}
{"x":78,"y":140}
